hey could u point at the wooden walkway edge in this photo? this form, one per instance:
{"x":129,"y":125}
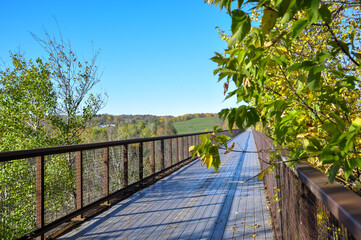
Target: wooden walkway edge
{"x":192,"y":203}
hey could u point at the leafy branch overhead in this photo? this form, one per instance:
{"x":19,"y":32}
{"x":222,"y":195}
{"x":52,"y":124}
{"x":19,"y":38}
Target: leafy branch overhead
{"x":208,"y":151}
{"x":296,"y":65}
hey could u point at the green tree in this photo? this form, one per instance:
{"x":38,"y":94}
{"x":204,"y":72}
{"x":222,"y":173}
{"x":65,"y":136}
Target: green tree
{"x":47,"y":103}
{"x":297,"y":66}
{"x":27,"y":104}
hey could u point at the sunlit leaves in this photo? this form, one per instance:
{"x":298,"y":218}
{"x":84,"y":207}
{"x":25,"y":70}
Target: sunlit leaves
{"x":241,"y":25}
{"x":299,"y":73}
{"x":268,"y":20}
{"x":208,"y":149}
{"x":298,"y":26}
{"x":314,"y":78}
{"x":243,"y":117}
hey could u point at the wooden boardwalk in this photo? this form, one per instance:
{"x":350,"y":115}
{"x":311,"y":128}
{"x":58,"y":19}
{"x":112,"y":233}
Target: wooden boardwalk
{"x":192,"y":203}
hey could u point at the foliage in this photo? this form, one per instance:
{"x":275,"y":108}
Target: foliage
{"x":208,"y":149}
{"x":141,"y":129}
{"x":26,"y":104}
{"x":46,"y":103}
{"x":297,"y":66}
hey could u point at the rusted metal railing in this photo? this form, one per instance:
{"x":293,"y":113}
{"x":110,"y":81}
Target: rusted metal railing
{"x":305,"y":205}
{"x":157,"y":167}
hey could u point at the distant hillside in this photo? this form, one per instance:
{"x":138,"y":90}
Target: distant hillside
{"x":197,"y":125}
{"x":108,"y":119}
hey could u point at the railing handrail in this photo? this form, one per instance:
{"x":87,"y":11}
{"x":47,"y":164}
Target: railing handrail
{"x":29,"y":153}
{"x":343,"y":203}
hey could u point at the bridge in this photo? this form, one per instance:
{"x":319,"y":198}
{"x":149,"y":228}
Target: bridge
{"x":151,"y":188}
{"x":192,"y":203}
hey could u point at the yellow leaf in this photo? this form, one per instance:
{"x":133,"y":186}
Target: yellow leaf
{"x":260,"y":175}
{"x":191,"y":148}
{"x":209,"y":161}
{"x":357,"y":122}
{"x":302,"y":135}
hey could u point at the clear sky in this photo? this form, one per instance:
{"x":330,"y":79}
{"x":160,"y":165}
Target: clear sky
{"x":154,"y":54}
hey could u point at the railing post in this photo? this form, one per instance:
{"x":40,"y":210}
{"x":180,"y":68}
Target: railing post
{"x":170,"y":151}
{"x":182,"y":148}
{"x":162,"y":154}
{"x":40,"y":194}
{"x":176,"y":150}
{"x":140,"y":160}
{"x":106,"y":172}
{"x":79,"y":181}
{"x":125,"y":164}
{"x":152,"y":156}
{"x":186,"y":148}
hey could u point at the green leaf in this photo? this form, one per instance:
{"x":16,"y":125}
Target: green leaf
{"x":268,"y":20}
{"x":298,"y":26}
{"x":314,"y":80}
{"x":312,"y":11}
{"x":223,"y":139}
{"x":223,"y":113}
{"x":339,"y":122}
{"x":316,"y":143}
{"x":355,"y":162}
{"x":216,"y":162}
{"x":322,"y":56}
{"x":241,"y":25}
{"x":285,"y":6}
{"x":332,"y":175}
{"x":219,"y":59}
{"x":330,"y":128}
{"x":325,"y":13}
{"x":347,"y":170}
{"x":204,"y":138}
{"x":295,"y":67}
{"x":231,"y":119}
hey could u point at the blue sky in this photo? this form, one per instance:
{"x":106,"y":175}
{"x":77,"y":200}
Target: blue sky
{"x":154,"y":54}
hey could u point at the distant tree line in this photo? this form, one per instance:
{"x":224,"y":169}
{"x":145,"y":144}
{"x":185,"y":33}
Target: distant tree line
{"x":139,"y":129}
{"x":108,"y":119}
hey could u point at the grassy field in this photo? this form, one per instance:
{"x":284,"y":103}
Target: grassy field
{"x":196,"y":125}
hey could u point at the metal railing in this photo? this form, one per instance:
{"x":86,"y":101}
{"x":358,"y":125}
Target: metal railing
{"x":121,"y":167}
{"x":305,"y":205}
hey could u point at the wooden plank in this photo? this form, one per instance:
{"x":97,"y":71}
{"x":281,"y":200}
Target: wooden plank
{"x":161,"y":210}
{"x":232,"y":163}
{"x":195,"y":229}
{"x":139,"y":211}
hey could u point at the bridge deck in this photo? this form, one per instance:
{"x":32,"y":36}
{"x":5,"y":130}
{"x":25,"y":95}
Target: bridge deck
{"x":192,"y":203}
